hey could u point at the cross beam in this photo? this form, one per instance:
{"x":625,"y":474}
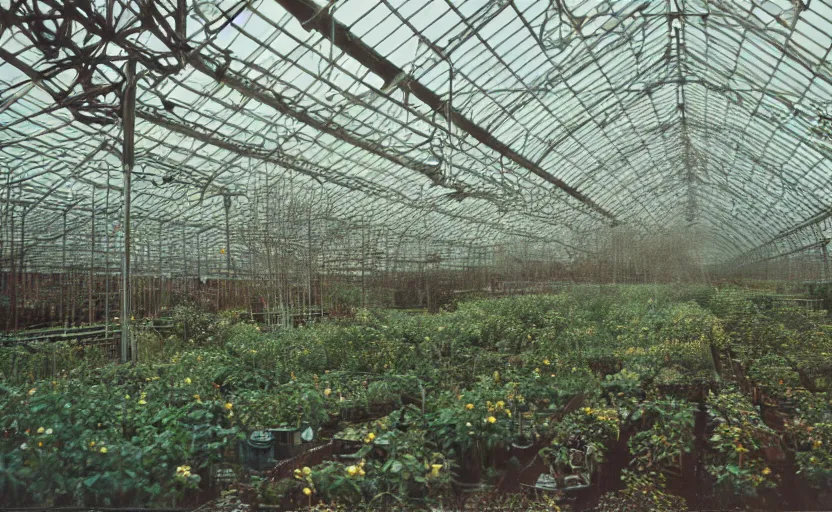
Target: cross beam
{"x":312,"y":16}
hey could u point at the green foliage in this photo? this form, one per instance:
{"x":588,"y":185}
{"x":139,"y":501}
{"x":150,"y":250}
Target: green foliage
{"x":481,"y":416}
{"x":517,"y":361}
{"x":810,"y":434}
{"x":621,"y":386}
{"x":657,"y":451}
{"x":90,"y":440}
{"x":399,"y":464}
{"x":774,"y":374}
{"x":738,"y":438}
{"x":587,"y":431}
{"x":196,"y":325}
{"x":641,"y":494}
{"x":22,"y":363}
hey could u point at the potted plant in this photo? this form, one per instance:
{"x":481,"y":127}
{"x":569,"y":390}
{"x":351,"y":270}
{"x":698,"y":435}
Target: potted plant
{"x":477,"y":430}
{"x":774,"y":377}
{"x":658,"y":451}
{"x":579,"y":443}
{"x":739,"y":437}
{"x":810,"y":436}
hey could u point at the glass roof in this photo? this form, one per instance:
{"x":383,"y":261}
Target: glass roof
{"x":447,"y":123}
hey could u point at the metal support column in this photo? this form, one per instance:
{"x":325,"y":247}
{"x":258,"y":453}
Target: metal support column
{"x":90,"y":305}
{"x":226,"y":200}
{"x":128,"y":124}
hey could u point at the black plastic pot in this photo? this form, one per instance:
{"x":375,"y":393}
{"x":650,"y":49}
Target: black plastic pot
{"x":286,"y":442}
{"x":259,"y":450}
{"x":522,"y":449}
{"x":343,"y":447}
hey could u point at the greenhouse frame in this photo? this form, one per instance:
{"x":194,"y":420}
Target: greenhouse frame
{"x":305,"y":162}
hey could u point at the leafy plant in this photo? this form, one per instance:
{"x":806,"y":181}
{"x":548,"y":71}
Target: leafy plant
{"x":581,"y":439}
{"x":657,"y":451}
{"x":737,"y":461}
{"x":639,"y":495}
{"x":102,"y":443}
{"x":810,"y":434}
{"x":774,"y":374}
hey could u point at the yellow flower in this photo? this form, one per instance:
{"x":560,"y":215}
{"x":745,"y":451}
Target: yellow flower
{"x":434,"y":470}
{"x":361,"y":472}
{"x":500,"y":404}
{"x":103,"y":449}
{"x":92,"y":444}
{"x":816,"y":444}
{"x":40,"y":444}
{"x":187,"y":380}
{"x":327,"y":392}
{"x":307,"y":471}
{"x":307,"y":491}
{"x":127,"y":397}
{"x":508,"y":413}
{"x":546,"y":362}
{"x":32,"y":391}
{"x":198,"y":399}
{"x":371,"y":436}
{"x":469,"y":406}
{"x":228,"y":406}
{"x":491,"y":419}
{"x":41,"y":430}
{"x":142,"y":402}
{"x":352,"y":470}
{"x":767,"y":471}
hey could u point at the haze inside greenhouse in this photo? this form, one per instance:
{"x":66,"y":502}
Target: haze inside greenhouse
{"x":435,"y":132}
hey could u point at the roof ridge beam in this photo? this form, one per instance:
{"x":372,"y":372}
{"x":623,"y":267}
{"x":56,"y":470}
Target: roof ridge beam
{"x":311,"y":16}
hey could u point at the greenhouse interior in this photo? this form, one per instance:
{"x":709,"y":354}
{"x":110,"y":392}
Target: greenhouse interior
{"x":399,"y":255}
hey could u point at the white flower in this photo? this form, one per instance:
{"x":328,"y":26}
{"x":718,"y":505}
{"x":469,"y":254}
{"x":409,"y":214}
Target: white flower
{"x":48,"y":431}
{"x":24,"y":446}
{"x":469,"y":425}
